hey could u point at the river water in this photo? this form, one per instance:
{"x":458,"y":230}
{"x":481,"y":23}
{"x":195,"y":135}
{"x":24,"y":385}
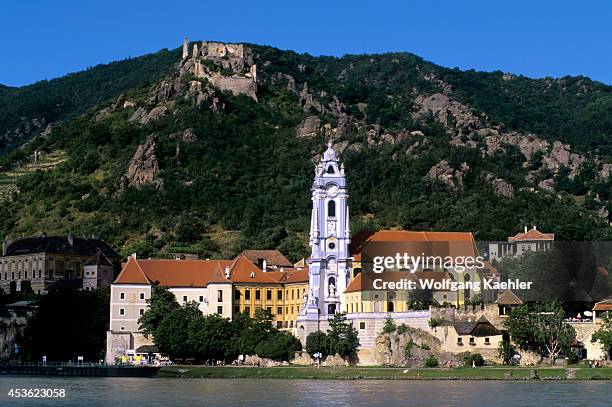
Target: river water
{"x":139,"y":392}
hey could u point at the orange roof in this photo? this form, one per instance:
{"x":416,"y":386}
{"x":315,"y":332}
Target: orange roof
{"x":200,"y":273}
{"x":533,"y":234}
{"x":173,"y":273}
{"x":354,"y":285}
{"x":272,"y":257}
{"x":489,"y":269}
{"x":396,"y":236}
{"x":605,"y":305}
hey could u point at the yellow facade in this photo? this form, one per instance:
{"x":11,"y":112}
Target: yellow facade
{"x":282,"y":300}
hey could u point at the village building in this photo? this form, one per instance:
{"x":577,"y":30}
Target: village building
{"x":479,"y":336}
{"x":531,"y":240}
{"x":47,"y":261}
{"x":224,"y":287}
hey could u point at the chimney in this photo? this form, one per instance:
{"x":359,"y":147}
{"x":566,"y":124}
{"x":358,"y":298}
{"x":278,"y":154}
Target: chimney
{"x":133,"y":256}
{"x":264,"y":265}
{"x":70,"y":239}
{"x":227,"y":272}
{"x":525,"y":229}
{"x":4,"y":247}
{"x":534,"y":228}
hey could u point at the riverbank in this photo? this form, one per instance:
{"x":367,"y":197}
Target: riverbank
{"x":388,"y":373}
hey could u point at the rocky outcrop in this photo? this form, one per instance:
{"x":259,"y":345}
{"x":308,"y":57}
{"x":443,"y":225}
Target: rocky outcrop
{"x":447,"y":175}
{"x":309,"y":127}
{"x":606,"y":171}
{"x":24,"y":131}
{"x":141,"y":116}
{"x":450,"y":113}
{"x":547,"y":185}
{"x":561,"y":156}
{"x":411,"y":348}
{"x":143,"y":167}
{"x":189,"y":136}
{"x":501,"y":187}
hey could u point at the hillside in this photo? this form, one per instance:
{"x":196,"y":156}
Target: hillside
{"x":28,"y":110}
{"x":182,"y":165}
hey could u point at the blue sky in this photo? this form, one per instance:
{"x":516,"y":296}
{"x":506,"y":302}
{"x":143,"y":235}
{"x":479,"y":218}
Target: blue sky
{"x":46,"y":39}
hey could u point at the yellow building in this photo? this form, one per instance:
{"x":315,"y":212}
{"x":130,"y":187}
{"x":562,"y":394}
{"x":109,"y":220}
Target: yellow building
{"x":440,"y":244}
{"x":279,"y":291}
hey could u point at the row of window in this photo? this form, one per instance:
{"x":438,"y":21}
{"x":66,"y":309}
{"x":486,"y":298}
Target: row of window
{"x":295,"y":294}
{"x":472,"y":341}
{"x":141,"y":311}
{"x":26,"y":275}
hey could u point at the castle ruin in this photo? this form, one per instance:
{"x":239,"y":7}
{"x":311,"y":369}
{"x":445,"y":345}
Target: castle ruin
{"x":227,"y":66}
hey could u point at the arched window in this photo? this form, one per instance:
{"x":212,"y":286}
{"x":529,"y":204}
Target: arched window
{"x":330,"y":169}
{"x":331,"y":208}
{"x":390,"y":306}
{"x":331,"y":309}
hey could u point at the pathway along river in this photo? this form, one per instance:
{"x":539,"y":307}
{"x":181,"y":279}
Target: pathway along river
{"x":138,"y":392}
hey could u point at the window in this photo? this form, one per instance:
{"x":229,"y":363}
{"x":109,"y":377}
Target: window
{"x":330,"y":169}
{"x":142,"y":296}
{"x":279,"y":310}
{"x":472,"y":341}
{"x":236,"y":309}
{"x":279,"y":295}
{"x":487,"y":342}
{"x":279,"y":324}
{"x":201,"y":298}
{"x":460,"y":341}
{"x":219,"y":295}
{"x":257,"y":295}
{"x":141,"y":311}
{"x":362,"y":325}
{"x":247,"y":310}
{"x":236,"y":294}
{"x":269,"y":309}
{"x":331,"y":208}
{"x":184,"y":298}
{"x":220,"y":309}
{"x":122,"y":296}
{"x":269,"y":295}
{"x":247,"y":294}
{"x":122,"y":328}
{"x":121,"y":311}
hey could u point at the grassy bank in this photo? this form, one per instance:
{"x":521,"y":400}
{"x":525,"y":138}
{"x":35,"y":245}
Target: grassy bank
{"x":348,"y":373}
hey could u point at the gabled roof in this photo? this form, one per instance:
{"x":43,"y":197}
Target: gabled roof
{"x":460,"y":243}
{"x":173,"y":273}
{"x":244,"y":271}
{"x":272,"y":257}
{"x":604,"y":305}
{"x":99,"y":259}
{"x":533,"y":234}
{"x":482,"y":327}
{"x":508,"y":298}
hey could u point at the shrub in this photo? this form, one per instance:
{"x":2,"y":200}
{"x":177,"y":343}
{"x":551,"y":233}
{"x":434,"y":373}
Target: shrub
{"x":425,"y":346}
{"x":434,"y":322}
{"x":475,"y":359}
{"x":408,"y":350}
{"x":431,"y":361}
{"x":316,"y":342}
{"x":389,"y":326}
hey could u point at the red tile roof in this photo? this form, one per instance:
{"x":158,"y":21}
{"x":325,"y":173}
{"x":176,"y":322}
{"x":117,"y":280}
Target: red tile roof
{"x":605,"y":305}
{"x":530,"y":235}
{"x":398,"y":236}
{"x":272,"y":257}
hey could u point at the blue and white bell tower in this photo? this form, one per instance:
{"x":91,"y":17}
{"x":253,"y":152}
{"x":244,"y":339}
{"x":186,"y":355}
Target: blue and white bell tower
{"x":329,"y":265}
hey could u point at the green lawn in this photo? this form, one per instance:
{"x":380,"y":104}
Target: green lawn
{"x":467,"y":373}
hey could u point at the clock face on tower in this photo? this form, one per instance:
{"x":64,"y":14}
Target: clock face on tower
{"x":332,"y":190}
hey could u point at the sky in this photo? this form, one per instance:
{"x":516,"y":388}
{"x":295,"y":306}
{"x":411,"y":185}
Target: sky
{"x":43,"y":39}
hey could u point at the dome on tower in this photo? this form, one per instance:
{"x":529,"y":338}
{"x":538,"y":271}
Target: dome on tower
{"x":330,"y":153}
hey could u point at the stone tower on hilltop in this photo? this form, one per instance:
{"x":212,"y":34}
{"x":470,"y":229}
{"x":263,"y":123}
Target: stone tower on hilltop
{"x":232,"y":66}
{"x":329,"y":267}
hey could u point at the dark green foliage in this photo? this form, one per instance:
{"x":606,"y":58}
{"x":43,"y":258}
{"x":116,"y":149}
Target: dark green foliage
{"x":541,"y":328}
{"x":317,"y":342}
{"x":342,"y":337}
{"x":389,"y":326}
{"x":182,"y":332}
{"x":67,"y":324}
{"x":431,"y":361}
{"x":66,"y":97}
{"x":474,"y":359}
{"x":420,"y":298}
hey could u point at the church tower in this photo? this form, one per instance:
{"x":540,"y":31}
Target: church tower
{"x":329,"y":239}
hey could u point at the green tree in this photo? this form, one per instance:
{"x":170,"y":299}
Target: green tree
{"x":317,"y":342}
{"x":604,"y":334}
{"x":420,"y":298}
{"x":541,"y":328}
{"x":161,"y":304}
{"x":342,"y":337}
{"x":389,"y":325}
{"x":172,"y":335}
